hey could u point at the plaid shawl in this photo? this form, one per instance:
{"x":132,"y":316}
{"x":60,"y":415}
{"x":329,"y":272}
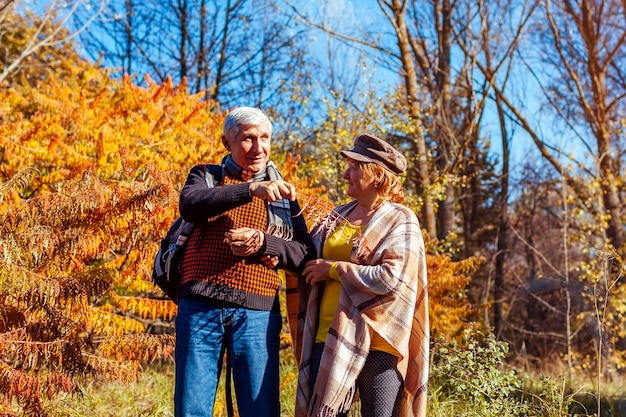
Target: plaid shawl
{"x":384,"y":289}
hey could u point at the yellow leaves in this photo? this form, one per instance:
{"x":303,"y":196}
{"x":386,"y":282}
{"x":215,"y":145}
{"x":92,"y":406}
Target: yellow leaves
{"x":127,"y":371}
{"x":288,"y":380}
{"x":109,"y":324}
{"x":139,"y":348}
{"x":71,"y":126}
{"x":144,"y":307}
{"x":143,"y":286}
{"x":49,"y":103}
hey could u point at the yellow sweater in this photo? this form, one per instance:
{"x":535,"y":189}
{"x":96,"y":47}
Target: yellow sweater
{"x":338,"y":246}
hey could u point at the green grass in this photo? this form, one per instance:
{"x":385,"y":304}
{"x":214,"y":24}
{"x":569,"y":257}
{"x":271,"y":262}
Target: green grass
{"x":152,"y":395}
{"x":470,"y":382}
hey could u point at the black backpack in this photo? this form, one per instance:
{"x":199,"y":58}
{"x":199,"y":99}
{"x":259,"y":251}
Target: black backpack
{"x":165,"y":270}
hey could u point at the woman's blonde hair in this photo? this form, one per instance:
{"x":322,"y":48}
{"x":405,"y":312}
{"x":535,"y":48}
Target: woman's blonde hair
{"x":387,"y":183}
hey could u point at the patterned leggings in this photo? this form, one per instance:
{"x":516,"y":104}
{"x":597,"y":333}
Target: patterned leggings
{"x":380,"y":384}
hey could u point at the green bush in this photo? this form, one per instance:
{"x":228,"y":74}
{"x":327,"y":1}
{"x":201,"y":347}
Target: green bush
{"x":469,"y":379}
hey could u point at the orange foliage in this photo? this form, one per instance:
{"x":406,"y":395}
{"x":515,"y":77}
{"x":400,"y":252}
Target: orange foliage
{"x":448,"y":303}
{"x":89,"y":180}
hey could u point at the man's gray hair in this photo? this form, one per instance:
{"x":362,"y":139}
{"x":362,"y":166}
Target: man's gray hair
{"x":243,"y":116}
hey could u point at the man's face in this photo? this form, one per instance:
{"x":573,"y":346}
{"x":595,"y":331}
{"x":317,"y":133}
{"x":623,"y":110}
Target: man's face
{"x":250,"y":148}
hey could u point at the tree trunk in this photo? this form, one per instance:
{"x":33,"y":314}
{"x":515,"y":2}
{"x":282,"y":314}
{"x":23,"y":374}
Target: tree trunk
{"x":183,"y":21}
{"x":128,"y":31}
{"x":444,"y":127}
{"x":215,"y":90}
{"x":419,"y":142}
{"x":503,"y":226}
{"x":202,"y":58}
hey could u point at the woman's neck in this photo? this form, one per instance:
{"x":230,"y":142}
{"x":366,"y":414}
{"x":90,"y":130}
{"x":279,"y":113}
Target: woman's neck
{"x":363,"y":212}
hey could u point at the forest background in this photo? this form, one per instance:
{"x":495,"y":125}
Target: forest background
{"x":510,"y":113}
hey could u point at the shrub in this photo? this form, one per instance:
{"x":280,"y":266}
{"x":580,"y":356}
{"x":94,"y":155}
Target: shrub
{"x":469,"y":379}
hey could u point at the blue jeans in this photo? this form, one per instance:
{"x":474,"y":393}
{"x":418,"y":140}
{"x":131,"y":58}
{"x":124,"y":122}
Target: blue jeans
{"x":203,"y":327}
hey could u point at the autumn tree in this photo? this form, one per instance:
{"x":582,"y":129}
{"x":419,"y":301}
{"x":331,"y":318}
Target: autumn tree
{"x":578,"y":79}
{"x":447,"y":57}
{"x":581,"y":80}
{"x":587,"y":55}
{"x":448,"y":278}
{"x":90,"y":171}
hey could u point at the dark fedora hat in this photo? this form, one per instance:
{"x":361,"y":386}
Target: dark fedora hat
{"x":369,"y":148}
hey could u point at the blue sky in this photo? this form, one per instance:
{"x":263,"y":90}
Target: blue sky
{"x":354,"y":67}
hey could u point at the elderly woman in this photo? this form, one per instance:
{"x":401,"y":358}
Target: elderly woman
{"x":365,"y":329}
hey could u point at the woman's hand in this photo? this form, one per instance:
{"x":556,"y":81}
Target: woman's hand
{"x":270,"y":261}
{"x":317,"y":270}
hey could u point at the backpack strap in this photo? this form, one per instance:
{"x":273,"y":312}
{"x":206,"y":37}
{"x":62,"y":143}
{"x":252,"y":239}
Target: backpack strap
{"x":213,"y":174}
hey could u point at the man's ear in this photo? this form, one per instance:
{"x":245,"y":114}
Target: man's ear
{"x":225,"y":142}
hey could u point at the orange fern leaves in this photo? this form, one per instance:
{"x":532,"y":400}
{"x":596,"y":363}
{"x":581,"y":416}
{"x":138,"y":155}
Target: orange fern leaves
{"x":127,"y":371}
{"x":29,"y":390}
{"x":145,"y":308}
{"x":105,"y":323}
{"x":447,"y":285}
{"x":141,"y":348}
{"x":313,"y":200}
{"x":89,"y":183}
{"x":314,"y":209}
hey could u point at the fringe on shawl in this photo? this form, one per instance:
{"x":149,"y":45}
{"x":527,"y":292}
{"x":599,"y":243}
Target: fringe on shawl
{"x":414,"y":406}
{"x":318,"y":409}
{"x":411,"y":405}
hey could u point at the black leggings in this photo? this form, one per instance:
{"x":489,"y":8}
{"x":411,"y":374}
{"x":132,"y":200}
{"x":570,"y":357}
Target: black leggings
{"x":380,"y":384}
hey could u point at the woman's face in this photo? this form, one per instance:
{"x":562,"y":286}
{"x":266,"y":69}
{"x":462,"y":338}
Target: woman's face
{"x":361,"y":186}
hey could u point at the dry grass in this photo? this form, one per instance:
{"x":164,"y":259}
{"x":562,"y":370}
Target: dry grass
{"x":153,"y":395}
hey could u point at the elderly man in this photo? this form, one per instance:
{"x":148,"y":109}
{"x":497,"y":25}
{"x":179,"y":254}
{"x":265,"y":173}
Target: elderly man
{"x":228,"y":296}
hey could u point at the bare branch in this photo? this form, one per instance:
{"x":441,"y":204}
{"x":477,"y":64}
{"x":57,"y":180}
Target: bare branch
{"x":57,"y":36}
{"x":349,"y":39}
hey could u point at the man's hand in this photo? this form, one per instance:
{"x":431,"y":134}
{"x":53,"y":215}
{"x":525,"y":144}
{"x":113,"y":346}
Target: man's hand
{"x":317,"y":270}
{"x":244,"y":241}
{"x":272,"y":191}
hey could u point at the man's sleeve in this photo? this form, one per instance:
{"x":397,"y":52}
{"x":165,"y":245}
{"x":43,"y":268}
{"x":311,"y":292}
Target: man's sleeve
{"x":198,"y":202}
